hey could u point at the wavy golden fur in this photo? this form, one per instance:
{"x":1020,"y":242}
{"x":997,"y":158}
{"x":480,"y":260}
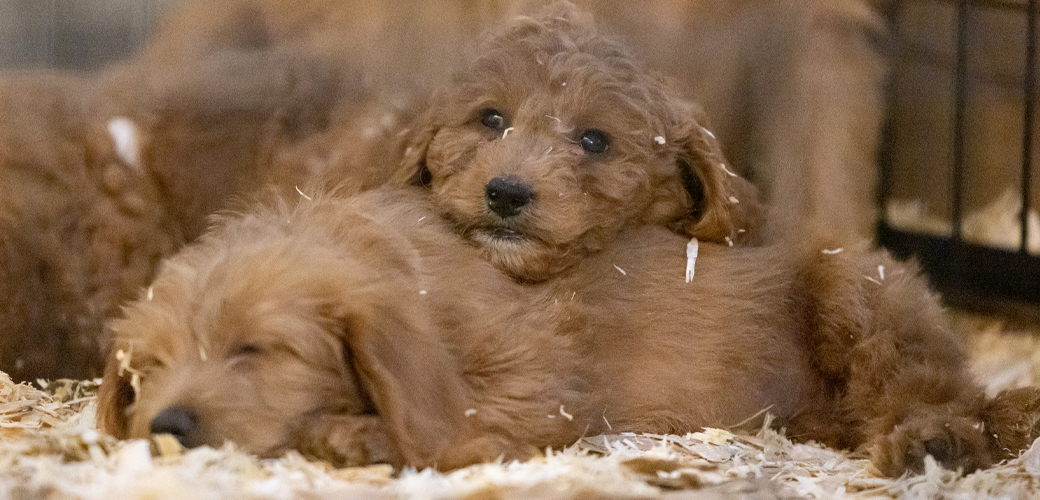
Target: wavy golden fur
{"x":364,"y":330}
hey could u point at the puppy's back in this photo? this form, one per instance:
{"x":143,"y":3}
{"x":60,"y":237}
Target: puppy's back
{"x":677,"y":355}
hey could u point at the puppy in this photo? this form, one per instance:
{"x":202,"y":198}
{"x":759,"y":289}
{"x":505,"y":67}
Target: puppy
{"x":355,"y":330}
{"x":362,"y":329}
{"x":844,"y":346}
{"x":554,"y":138}
{"x":105,"y":175}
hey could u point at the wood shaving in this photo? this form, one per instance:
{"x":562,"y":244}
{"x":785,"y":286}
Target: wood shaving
{"x":124,"y":358}
{"x":167,"y":446}
{"x":308,"y":198}
{"x":125,"y":138}
{"x":691,"y":258}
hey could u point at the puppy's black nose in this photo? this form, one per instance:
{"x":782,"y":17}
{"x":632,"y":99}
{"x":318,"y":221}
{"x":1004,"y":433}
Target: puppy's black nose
{"x":179,"y":422}
{"x":506,"y":196}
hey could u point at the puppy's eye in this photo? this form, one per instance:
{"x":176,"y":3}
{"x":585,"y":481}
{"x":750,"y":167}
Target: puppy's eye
{"x":492,"y":119}
{"x":246,"y":350}
{"x":594,"y":141}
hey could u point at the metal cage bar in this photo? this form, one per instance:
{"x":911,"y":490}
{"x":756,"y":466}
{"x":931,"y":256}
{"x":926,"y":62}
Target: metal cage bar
{"x":1029,"y":86}
{"x":969,"y":273}
{"x":959,"y":118}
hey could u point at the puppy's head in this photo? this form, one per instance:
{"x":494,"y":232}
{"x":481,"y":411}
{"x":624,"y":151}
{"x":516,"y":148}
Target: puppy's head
{"x":276,"y":336}
{"x":554,"y":138}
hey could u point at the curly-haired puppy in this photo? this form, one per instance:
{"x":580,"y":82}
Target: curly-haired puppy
{"x":555,"y":137}
{"x":103,"y":176}
{"x":362,"y":329}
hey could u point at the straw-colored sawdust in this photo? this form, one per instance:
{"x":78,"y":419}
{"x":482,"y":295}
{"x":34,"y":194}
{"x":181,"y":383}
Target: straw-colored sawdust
{"x":50,"y":449}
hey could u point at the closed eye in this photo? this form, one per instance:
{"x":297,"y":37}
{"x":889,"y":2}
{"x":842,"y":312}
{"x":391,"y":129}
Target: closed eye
{"x":147,"y":364}
{"x":246,"y":350}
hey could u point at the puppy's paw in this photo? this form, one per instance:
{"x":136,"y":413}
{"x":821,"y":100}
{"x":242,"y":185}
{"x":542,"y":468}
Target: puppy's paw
{"x":1012,"y":421}
{"x":347,"y":441}
{"x":956,"y":443}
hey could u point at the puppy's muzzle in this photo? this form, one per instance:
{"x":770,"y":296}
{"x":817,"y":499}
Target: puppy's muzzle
{"x":179,"y":422}
{"x":507,"y":195}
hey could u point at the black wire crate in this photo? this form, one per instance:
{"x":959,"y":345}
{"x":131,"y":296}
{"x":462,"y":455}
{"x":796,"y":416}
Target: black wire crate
{"x":959,"y":191}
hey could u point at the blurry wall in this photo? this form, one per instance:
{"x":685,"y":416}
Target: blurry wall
{"x":74,"y":34}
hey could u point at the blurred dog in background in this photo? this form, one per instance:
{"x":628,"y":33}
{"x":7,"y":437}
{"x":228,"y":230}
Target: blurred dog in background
{"x":105,"y":175}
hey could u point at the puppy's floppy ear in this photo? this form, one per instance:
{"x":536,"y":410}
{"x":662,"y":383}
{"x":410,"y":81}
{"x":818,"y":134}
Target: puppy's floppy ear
{"x":411,"y":377}
{"x":114,"y":397}
{"x":720,"y":203}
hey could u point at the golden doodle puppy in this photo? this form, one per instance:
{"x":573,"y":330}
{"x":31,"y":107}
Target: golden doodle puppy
{"x":362,"y":329}
{"x":356,"y":330}
{"x":105,"y":175}
{"x":555,"y":137}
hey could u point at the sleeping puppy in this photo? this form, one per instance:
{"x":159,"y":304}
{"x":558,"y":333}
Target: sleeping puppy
{"x":104,"y":175}
{"x":363,"y":330}
{"x":355,"y":330}
{"x":554,"y":138}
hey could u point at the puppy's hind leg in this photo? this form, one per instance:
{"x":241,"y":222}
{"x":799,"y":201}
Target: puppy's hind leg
{"x":1012,"y":421}
{"x":882,"y":338}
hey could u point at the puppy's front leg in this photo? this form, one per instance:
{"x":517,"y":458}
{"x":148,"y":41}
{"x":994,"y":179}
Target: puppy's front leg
{"x":486,"y":448}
